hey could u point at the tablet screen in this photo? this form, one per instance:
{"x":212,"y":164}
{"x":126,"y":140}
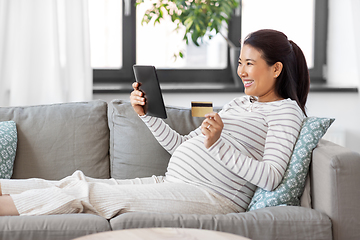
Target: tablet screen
{"x":147,"y":76}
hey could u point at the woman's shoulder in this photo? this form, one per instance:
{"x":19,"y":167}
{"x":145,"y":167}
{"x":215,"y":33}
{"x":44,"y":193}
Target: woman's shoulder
{"x":286,"y":104}
{"x":284,"y":109}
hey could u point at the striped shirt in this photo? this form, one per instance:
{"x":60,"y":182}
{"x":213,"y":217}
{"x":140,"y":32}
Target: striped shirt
{"x":253,"y":150}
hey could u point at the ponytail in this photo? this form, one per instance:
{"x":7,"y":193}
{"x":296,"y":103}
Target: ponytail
{"x":303,"y":85}
{"x":293,"y":81}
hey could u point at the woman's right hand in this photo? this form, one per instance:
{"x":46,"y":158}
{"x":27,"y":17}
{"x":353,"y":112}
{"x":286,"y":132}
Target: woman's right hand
{"x":137,"y":99}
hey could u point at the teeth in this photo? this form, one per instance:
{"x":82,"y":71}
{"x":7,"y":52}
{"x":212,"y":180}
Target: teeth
{"x":248,"y":82}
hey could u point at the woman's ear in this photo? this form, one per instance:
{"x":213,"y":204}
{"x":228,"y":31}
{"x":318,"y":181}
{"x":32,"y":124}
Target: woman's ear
{"x":278,"y":66}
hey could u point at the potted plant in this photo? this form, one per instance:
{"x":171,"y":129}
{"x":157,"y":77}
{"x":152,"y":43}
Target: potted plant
{"x":200,"y":18}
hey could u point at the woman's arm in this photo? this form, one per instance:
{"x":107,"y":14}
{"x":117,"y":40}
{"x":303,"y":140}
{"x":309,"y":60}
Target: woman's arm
{"x":283,"y":130}
{"x":166,"y":136}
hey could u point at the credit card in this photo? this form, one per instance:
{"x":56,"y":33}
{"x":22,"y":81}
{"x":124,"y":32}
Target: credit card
{"x":199,"y":109}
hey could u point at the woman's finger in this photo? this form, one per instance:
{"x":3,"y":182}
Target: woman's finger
{"x":138,"y":100}
{"x":212,"y":123}
{"x":215,"y":119}
{"x":136,"y":85}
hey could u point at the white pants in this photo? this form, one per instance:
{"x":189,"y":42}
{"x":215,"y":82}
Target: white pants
{"x":109,"y":197}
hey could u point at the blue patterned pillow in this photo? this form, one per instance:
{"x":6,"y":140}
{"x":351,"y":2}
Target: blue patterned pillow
{"x":289,"y":191}
{"x":8,"y":144}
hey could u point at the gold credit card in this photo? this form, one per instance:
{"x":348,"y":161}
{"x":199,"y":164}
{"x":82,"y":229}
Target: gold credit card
{"x":199,"y":109}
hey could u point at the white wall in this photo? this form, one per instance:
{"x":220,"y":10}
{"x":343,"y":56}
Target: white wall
{"x":343,"y":70}
{"x":345,"y":108}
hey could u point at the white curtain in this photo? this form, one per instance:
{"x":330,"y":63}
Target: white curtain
{"x":44,"y":52}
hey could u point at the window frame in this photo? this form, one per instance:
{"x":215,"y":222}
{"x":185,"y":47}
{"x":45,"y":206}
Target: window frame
{"x":207,"y":76}
{"x":320,"y":42}
{"x":124,"y":74}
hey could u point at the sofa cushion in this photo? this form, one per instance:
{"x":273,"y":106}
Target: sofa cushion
{"x":52,"y":227}
{"x":8,"y":143}
{"x":263,"y":224}
{"x":134,"y":152}
{"x":292,"y":186}
{"x":56,"y":140}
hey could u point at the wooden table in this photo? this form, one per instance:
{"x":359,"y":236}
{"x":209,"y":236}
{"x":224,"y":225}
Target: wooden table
{"x":162,"y":233}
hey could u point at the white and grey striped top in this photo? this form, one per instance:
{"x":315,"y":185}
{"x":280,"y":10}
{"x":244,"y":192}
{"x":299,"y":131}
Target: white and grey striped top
{"x":254,"y":149}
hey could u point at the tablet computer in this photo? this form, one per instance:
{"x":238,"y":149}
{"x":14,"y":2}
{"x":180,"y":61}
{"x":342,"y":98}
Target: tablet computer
{"x":146,"y":75}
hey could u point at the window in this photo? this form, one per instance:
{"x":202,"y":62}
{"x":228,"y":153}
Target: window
{"x":105,"y":19}
{"x":126,"y":42}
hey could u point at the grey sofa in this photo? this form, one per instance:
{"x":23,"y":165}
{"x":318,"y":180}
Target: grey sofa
{"x":109,"y":140}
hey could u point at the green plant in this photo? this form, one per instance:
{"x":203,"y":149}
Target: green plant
{"x":199,"y":17}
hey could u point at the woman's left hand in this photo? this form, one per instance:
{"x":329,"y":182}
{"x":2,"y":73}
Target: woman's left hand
{"x":211,"y":127}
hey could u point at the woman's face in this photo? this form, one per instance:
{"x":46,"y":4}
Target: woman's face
{"x":258,"y":77}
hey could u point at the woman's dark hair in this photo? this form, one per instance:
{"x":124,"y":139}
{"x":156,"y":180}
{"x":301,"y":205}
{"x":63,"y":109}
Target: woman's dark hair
{"x":274,"y":46}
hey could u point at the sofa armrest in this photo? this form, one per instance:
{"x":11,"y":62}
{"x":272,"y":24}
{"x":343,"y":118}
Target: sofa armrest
{"x":335,"y":184}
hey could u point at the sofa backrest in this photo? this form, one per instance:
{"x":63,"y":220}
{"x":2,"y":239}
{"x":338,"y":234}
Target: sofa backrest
{"x":134,"y":152}
{"x":56,"y":140}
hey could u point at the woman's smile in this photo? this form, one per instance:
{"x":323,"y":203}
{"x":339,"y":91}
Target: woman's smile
{"x":247,"y":82}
